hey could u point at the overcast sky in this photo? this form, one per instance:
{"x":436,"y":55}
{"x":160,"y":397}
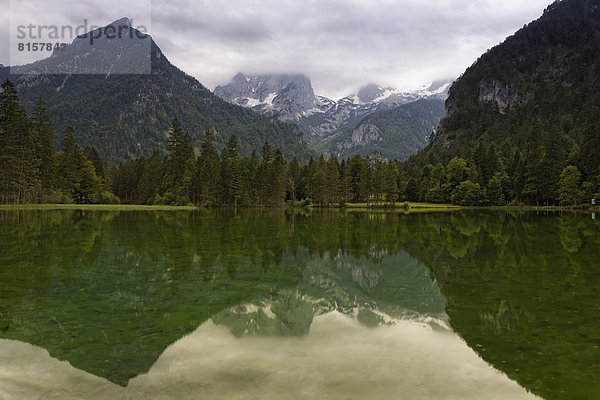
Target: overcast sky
{"x":340,"y":44}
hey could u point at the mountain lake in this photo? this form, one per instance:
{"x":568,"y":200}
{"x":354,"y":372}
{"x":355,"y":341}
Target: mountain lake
{"x":328,"y":304}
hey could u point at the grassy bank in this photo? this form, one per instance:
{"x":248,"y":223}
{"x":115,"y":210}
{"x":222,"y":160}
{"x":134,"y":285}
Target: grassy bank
{"x":99,"y":207}
{"x":405,"y":206}
{"x":400,"y":207}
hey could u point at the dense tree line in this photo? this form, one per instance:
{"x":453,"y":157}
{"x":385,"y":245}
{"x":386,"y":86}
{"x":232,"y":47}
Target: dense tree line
{"x":226,"y":179}
{"x":31,"y":172}
{"x":550,"y":169}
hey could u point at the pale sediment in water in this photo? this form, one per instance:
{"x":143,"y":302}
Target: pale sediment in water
{"x":338,"y":359}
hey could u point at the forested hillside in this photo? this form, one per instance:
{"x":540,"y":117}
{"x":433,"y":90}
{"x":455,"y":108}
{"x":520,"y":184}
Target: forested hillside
{"x":125,"y":116}
{"x":527,"y":112}
{"x":397,"y":133}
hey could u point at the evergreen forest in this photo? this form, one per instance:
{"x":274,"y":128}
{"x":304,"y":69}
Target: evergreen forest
{"x":31,"y":171}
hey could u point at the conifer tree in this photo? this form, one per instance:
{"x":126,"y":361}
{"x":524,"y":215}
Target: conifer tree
{"x":356,"y":165}
{"x":293,"y":178}
{"x":366,"y":183}
{"x":306,"y":179}
{"x":150,"y":180}
{"x":209,"y":170}
{"x":518,"y":174}
{"x":42,"y":126}
{"x":344,"y":184}
{"x":92,"y":155}
{"x":375,"y":163}
{"x":125,"y":180}
{"x":277,"y":176}
{"x":264,"y":175}
{"x":390,"y":188}
{"x":235,"y":183}
{"x":549,"y":166}
{"x":77,"y":177}
{"x":332,"y":184}
{"x":19,"y":176}
{"x":319,"y":183}
{"x":178,"y":165}
{"x":231,"y":150}
{"x":69,"y":163}
{"x":266,"y":152}
{"x":411,"y":192}
{"x":249,"y":192}
{"x":231,"y":173}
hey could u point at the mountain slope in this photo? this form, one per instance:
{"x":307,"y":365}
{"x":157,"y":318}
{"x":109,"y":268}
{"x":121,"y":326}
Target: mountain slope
{"x":128,"y":115}
{"x":397,"y":133}
{"x":538,"y":92}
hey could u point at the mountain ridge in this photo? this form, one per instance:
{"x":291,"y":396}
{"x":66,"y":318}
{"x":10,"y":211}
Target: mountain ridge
{"x":128,"y":115}
{"x":319,"y":116}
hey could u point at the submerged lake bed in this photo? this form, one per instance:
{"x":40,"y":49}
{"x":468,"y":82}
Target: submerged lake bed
{"x":287,"y":304}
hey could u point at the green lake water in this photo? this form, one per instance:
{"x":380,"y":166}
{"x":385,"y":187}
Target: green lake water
{"x":293,"y":305}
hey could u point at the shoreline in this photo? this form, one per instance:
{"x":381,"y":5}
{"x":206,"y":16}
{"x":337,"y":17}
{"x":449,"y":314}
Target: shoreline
{"x":398,"y":207}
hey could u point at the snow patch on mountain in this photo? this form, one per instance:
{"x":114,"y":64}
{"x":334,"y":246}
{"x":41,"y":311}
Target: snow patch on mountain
{"x":269,"y":99}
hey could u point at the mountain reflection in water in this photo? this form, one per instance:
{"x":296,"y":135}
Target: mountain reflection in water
{"x":284,"y":304}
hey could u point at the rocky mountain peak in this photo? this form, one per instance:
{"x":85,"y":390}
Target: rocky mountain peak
{"x":371,"y":92}
{"x":117,"y":48}
{"x":288,"y":95}
{"x":125,"y":21}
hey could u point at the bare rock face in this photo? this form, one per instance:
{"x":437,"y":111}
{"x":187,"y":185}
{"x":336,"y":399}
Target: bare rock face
{"x":365,"y":133}
{"x":289,"y":96}
{"x":295,"y":97}
{"x":506,"y":97}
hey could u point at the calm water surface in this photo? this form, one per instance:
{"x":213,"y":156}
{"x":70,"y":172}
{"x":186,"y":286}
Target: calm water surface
{"x":286,"y":305}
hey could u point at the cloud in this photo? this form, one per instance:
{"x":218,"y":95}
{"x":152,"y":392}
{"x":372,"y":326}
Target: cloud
{"x":339,"y":44}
